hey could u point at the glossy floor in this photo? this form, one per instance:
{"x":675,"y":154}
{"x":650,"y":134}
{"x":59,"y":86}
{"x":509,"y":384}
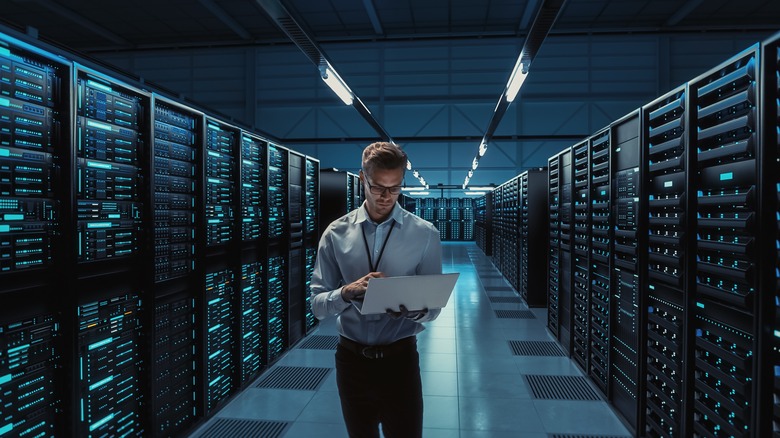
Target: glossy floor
{"x":473,"y":383}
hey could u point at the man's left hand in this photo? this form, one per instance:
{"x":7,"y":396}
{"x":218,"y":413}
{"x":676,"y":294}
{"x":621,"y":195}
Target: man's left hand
{"x":414,"y":315}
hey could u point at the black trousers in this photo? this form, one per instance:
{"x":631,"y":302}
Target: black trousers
{"x":385,"y":391}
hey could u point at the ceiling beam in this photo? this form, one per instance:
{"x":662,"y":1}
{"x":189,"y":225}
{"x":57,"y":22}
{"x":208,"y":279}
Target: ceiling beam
{"x":683,"y":12}
{"x":80,"y":20}
{"x":373,"y":16}
{"x":226,"y":19}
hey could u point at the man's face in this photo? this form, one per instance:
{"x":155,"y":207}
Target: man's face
{"x":381,"y":204}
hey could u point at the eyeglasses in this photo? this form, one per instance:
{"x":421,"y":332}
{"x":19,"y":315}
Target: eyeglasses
{"x":380,"y":190}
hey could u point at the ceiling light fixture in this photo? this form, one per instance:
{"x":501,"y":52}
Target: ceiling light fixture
{"x":334,"y":81}
{"x":516,"y":80}
{"x":546,"y":14}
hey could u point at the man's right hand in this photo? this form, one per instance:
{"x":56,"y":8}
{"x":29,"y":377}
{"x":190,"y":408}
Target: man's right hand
{"x":357,"y":288}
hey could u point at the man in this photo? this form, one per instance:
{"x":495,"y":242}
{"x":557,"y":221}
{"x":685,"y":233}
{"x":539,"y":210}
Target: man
{"x":377,"y":364}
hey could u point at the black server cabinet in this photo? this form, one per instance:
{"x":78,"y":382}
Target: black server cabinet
{"x":467,"y":216}
{"x":768,"y":404}
{"x":628,"y":256}
{"x":483,"y":223}
{"x":170,"y":324}
{"x":553,"y":256}
{"x":340,"y":193}
{"x":600,"y":259}
{"x":35,"y":120}
{"x":581,"y":254}
{"x":668,"y":160}
{"x":279,"y":251}
{"x":29,"y":361}
{"x":311,"y":235}
{"x":565,"y":259}
{"x":513,"y":232}
{"x":724,"y":127}
{"x":297,"y":260}
{"x":533,"y":237}
{"x":497,"y":231}
{"x":112,"y":121}
{"x":251,"y":290}
{"x":220,"y":205}
{"x":441,"y":217}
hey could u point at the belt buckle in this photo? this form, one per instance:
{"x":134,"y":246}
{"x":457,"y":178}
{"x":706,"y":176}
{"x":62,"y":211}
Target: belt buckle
{"x":372,"y":352}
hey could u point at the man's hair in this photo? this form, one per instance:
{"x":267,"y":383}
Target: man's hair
{"x":383,"y":155}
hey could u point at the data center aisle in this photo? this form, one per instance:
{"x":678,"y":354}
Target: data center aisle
{"x":489,"y":368}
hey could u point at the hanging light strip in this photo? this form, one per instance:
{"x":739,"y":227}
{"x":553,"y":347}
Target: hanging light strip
{"x":548,"y":12}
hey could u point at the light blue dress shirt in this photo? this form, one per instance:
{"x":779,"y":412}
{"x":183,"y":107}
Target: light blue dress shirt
{"x":413,"y":248}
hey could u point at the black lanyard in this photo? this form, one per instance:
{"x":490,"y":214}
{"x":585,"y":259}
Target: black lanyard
{"x":372,"y":266}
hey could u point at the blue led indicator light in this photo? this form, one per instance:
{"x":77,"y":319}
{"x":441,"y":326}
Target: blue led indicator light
{"x":100,"y":343}
{"x":726,"y":176}
{"x":98,"y":165}
{"x":99,"y":423}
{"x":99,"y":85}
{"x":99,"y":225}
{"x":98,"y":125}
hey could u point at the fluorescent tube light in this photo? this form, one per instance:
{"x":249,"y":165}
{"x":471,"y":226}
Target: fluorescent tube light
{"x":516,"y":81}
{"x":474,"y":193}
{"x":338,"y":86}
{"x":486,"y":188}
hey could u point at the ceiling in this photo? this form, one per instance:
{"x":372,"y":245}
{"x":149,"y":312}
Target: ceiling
{"x":92,"y":26}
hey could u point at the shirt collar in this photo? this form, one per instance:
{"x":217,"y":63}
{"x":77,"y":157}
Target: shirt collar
{"x":396,"y":214}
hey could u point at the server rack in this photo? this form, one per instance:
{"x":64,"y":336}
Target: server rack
{"x":768,"y":381}
{"x":483,"y":223}
{"x":468,"y":219}
{"x":601,"y":259}
{"x":566,"y":217}
{"x":296,"y":262}
{"x":278,"y":251}
{"x":112,"y":123}
{"x":628,"y":255}
{"x":35,"y":114}
{"x":311,"y":233}
{"x":441,"y":217}
{"x":553,"y":257}
{"x":668,"y":156}
{"x":251,"y":288}
{"x":221,"y":185}
{"x":724,"y":127}
{"x":175,"y":165}
{"x":533,"y":237}
{"x":453,"y":217}
{"x":512,"y":232}
{"x":340,"y":193}
{"x":495,"y":208}
{"x":581,"y":254}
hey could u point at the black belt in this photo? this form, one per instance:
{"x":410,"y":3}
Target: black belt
{"x":378,"y":351}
